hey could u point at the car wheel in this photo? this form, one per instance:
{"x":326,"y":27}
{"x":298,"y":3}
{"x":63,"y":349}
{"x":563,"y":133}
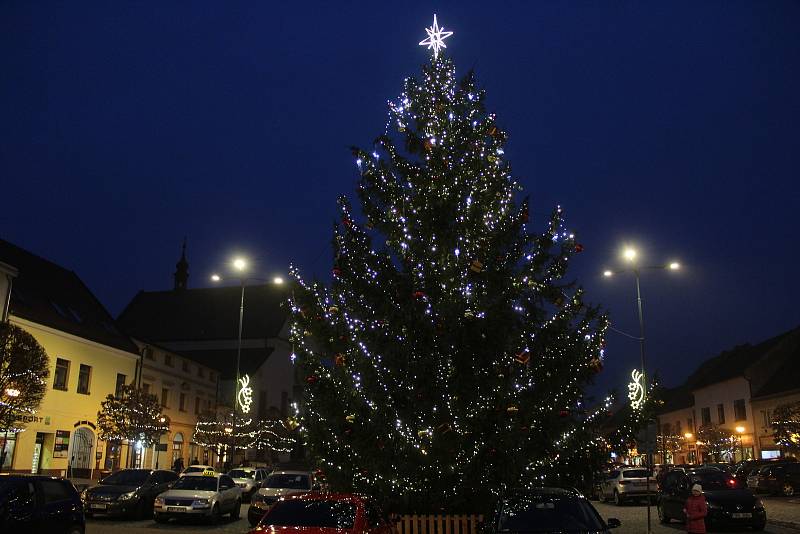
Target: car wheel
{"x":787,"y":489}
{"x":662,"y":517}
{"x":236,"y":511}
{"x":215,"y":514}
{"x":160,"y":518}
{"x":75,"y":529}
{"x":617,"y":499}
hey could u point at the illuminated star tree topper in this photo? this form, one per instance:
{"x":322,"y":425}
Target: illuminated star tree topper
{"x":436,"y":37}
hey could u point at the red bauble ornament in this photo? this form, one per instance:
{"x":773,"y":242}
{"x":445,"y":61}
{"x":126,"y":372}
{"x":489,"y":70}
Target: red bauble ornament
{"x":347,"y":222}
{"x":563,"y":413}
{"x":419,"y":294}
{"x":311,"y":379}
{"x":524,"y":215}
{"x":578,"y":248}
{"x":339,"y":359}
{"x":337,"y":271}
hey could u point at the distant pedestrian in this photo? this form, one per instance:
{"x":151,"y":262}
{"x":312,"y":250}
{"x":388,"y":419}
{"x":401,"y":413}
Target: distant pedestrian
{"x":696,"y":511}
{"x":178,"y":465}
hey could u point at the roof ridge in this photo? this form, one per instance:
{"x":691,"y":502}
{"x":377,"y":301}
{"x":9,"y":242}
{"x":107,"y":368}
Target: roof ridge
{"x":35,"y":256}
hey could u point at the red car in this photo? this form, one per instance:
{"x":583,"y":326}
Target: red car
{"x":325,"y":513}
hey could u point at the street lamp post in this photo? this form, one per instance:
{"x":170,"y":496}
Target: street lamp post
{"x":239,"y":265}
{"x":630,"y":255}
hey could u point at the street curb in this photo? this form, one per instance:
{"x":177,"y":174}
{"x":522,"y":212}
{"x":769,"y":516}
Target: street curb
{"x":785,"y":524}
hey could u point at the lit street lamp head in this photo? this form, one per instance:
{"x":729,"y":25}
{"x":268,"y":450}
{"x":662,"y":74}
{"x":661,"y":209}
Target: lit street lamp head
{"x":239,"y":264}
{"x":215,"y":278}
{"x":688,"y":435}
{"x":674,"y":266}
{"x":608,"y":273}
{"x":629,"y":254}
{"x":740,"y":429}
{"x":277,"y":280}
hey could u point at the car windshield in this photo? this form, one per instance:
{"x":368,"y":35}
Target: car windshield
{"x":196,"y":483}
{"x":319,"y":514}
{"x":715,"y":481}
{"x":548,"y":513}
{"x":287,"y":481}
{"x":127,"y":477}
{"x":241,"y":473}
{"x":635,"y":473}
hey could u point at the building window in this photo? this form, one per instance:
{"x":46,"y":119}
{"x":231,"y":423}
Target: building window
{"x":721,"y":413}
{"x":201,"y":372}
{"x":767,"y":419}
{"x":165,"y":397}
{"x":182,"y":404}
{"x":61,"y":375}
{"x":197,"y":405}
{"x":83,"y":379}
{"x":739,"y":410}
{"x":211,"y":376}
{"x":666,"y":429}
{"x":705,"y":416}
{"x":185,"y":366}
{"x":148,"y":353}
{"x":678,"y":428}
{"x":177,"y":447}
{"x":120,"y":383}
{"x":168,"y":359}
{"x":146,"y":389}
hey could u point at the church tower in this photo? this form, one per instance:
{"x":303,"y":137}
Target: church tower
{"x":182,"y":270}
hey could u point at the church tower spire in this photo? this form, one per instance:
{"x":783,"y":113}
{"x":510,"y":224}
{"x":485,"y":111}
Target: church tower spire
{"x":182,"y":270}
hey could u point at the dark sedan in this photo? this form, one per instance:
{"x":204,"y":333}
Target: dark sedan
{"x":129,"y":492}
{"x":729,"y":503}
{"x":550,"y":510}
{"x":34,"y":504}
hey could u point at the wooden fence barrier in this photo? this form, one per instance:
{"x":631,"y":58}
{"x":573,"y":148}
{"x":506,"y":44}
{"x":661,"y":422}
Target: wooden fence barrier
{"x":439,"y":524}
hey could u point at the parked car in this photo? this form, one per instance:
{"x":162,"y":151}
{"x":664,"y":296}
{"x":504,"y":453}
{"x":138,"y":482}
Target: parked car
{"x":778,"y":479}
{"x":34,"y":504}
{"x":205,"y":495}
{"x":547,"y":510}
{"x":249,"y":479}
{"x":752,"y":478}
{"x":628,"y":483}
{"x":317,"y":513}
{"x":129,"y":492}
{"x":729,"y":502}
{"x":278,"y":484}
{"x":197,"y":468}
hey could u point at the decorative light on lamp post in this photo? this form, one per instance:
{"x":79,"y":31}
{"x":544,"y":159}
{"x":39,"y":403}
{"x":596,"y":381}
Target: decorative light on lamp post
{"x":740,"y":430}
{"x":12,"y":392}
{"x":636,"y":389}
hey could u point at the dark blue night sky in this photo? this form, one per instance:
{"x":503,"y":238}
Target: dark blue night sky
{"x":671,"y":125}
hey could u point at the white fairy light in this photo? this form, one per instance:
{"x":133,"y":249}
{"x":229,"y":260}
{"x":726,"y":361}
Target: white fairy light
{"x":436,"y":37}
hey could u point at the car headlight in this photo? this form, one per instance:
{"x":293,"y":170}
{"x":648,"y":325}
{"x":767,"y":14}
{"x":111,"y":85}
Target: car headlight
{"x":201,"y":503}
{"x":758,"y":504}
{"x":85,"y":494}
{"x":126,"y":496}
{"x":159,"y":501}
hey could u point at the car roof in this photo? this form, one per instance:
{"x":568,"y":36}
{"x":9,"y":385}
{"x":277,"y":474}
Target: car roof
{"x":203,"y":475}
{"x":287,"y":472}
{"x":317,"y":496}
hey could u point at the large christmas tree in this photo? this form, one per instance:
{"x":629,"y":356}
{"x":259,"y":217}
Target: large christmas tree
{"x":447,"y":358}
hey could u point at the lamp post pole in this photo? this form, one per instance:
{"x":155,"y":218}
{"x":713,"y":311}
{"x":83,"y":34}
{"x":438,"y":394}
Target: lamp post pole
{"x":236,"y":381}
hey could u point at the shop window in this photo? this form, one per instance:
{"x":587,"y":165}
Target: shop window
{"x":61,"y":377}
{"x":739,"y":410}
{"x":177,"y":447}
{"x":120,"y":384}
{"x":721,"y":413}
{"x":8,"y":440}
{"x":84,"y":374}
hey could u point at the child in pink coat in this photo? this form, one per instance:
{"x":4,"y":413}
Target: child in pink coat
{"x":696,"y":511}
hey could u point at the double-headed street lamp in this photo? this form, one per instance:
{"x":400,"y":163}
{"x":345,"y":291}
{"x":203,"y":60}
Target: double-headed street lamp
{"x":630,"y":255}
{"x":240,"y":266}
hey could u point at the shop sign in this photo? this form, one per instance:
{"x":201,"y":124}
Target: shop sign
{"x":61,"y":445}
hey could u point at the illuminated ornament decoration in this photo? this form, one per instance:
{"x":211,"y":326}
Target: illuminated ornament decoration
{"x":245,"y":395}
{"x":636,"y":389}
{"x":436,"y":37}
